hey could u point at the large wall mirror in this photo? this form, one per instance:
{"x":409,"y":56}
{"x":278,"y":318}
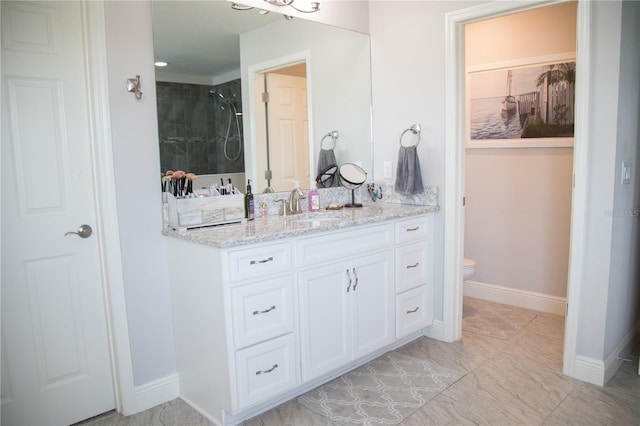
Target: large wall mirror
{"x":212,"y":118}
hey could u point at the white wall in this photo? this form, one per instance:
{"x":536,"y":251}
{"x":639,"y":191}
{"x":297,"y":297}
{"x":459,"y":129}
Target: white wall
{"x":137,"y":176}
{"x":517,"y":217}
{"x":623,"y":307}
{"x":408,"y":80}
{"x":518,"y":210}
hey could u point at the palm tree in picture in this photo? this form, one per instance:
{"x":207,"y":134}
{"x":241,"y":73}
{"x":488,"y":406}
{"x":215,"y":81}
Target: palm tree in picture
{"x":558,"y":73}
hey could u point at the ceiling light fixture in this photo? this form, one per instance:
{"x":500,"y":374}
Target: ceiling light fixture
{"x":315,"y":6}
{"x":161,"y":63}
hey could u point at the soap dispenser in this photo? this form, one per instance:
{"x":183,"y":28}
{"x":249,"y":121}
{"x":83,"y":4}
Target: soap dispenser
{"x":314,"y":198}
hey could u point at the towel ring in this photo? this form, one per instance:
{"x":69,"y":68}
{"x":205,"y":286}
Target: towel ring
{"x":334,"y":135}
{"x":415,"y":129}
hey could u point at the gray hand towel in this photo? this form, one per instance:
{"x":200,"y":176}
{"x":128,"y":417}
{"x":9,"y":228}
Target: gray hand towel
{"x":408,"y":174}
{"x":327,"y":158}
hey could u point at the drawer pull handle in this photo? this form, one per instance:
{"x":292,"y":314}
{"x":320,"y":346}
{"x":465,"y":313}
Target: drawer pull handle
{"x":413,"y":311}
{"x":268,"y":259}
{"x":355,"y":275}
{"x":265,"y":311}
{"x":415,"y":265}
{"x":259,"y":372}
{"x":349,"y":286}
{"x":413,"y":229}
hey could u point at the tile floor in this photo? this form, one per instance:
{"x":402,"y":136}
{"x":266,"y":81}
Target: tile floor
{"x":508,"y":382}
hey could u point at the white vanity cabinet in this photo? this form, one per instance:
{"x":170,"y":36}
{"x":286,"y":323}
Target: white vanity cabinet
{"x":260,"y":323}
{"x":346,"y":311}
{"x":414,"y":287}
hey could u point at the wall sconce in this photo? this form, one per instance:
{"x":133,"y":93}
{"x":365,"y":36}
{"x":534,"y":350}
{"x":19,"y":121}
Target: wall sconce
{"x":133,"y":86}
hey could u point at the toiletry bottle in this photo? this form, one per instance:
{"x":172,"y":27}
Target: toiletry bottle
{"x":222,"y":187}
{"x":229,"y":189}
{"x":248,"y":202}
{"x":314,"y":199}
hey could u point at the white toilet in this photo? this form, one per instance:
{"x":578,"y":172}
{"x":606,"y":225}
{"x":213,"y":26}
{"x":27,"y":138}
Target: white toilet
{"x":469,"y":269}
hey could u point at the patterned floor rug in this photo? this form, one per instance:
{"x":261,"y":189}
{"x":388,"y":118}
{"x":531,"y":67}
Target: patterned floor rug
{"x":384,"y":391}
{"x":495,"y":320}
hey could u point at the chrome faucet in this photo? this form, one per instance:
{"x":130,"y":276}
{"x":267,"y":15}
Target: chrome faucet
{"x":294,"y":200}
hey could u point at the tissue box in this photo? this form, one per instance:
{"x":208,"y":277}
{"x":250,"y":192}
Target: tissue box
{"x":187,"y":213}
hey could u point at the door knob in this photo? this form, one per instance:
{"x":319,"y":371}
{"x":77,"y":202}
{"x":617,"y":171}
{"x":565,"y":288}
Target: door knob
{"x":84,"y":231}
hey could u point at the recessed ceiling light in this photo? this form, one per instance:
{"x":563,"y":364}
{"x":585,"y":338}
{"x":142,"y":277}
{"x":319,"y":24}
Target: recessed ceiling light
{"x":161,"y":63}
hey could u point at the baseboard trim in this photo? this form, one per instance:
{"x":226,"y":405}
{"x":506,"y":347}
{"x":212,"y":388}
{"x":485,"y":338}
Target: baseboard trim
{"x":515,"y":297}
{"x":612,"y":362}
{"x":157,"y":392}
{"x":599,"y":372}
{"x":436,"y":331}
{"x":589,"y":370}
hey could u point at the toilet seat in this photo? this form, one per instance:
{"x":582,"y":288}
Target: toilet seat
{"x":468,"y":263}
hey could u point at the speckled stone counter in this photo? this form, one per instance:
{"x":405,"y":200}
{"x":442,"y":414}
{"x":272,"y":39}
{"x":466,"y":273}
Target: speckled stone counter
{"x":272,"y":227}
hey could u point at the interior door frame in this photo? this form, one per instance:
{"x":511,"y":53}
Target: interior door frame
{"x":253,"y":94}
{"x":455,"y":171}
{"x":107,"y":226}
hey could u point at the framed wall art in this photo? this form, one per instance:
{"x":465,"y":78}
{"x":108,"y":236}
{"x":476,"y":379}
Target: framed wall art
{"x":527,"y":103}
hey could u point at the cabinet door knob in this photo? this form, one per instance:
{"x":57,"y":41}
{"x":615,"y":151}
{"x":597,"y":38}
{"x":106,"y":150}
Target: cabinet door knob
{"x":259,"y":372}
{"x":415,"y":265}
{"x":413,"y":229}
{"x":271,"y":308}
{"x":349,"y":286}
{"x":413,"y":311}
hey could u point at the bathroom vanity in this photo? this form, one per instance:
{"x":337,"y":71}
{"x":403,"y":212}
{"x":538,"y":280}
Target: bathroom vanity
{"x":269,"y":309}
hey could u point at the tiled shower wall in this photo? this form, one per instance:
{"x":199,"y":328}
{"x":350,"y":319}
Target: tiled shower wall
{"x":192,"y":127}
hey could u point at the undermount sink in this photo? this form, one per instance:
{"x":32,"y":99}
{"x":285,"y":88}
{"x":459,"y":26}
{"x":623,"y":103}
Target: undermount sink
{"x":318,"y":217}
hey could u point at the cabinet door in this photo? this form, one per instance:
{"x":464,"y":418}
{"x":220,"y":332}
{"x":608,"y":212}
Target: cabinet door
{"x":373,"y":303}
{"x":324,"y":319}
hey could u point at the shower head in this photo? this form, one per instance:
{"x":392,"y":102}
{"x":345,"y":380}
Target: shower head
{"x":215,"y":93}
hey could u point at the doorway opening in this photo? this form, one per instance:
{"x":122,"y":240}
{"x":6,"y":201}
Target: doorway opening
{"x":281,"y":126}
{"x":454,"y":166}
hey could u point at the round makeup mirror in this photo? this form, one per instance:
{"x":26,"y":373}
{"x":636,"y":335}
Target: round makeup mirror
{"x":327,"y":177}
{"x":352,"y":177}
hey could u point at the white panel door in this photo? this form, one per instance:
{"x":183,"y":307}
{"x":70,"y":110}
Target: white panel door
{"x":55,"y":353}
{"x":288,"y":131}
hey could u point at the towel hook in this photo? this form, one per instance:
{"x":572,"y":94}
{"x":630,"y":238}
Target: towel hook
{"x":415,"y":129}
{"x":334,"y":136}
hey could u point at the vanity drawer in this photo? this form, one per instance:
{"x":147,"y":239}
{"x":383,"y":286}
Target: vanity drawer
{"x":314,"y":250}
{"x":412,"y":229}
{"x":265,"y":370}
{"x":411,"y":266}
{"x":262,"y":310}
{"x":412,"y":311}
{"x":259,"y":261}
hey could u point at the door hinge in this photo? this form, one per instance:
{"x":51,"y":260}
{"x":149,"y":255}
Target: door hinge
{"x":464,"y":201}
{"x":265,"y":97}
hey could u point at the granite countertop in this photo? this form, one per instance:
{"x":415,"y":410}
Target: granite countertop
{"x":273,"y":227}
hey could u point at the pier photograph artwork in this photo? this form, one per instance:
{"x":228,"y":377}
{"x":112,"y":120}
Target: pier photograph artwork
{"x":522,"y":103}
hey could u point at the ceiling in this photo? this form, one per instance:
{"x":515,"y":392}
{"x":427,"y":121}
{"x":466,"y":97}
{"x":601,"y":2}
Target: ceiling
{"x":202,"y":37}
